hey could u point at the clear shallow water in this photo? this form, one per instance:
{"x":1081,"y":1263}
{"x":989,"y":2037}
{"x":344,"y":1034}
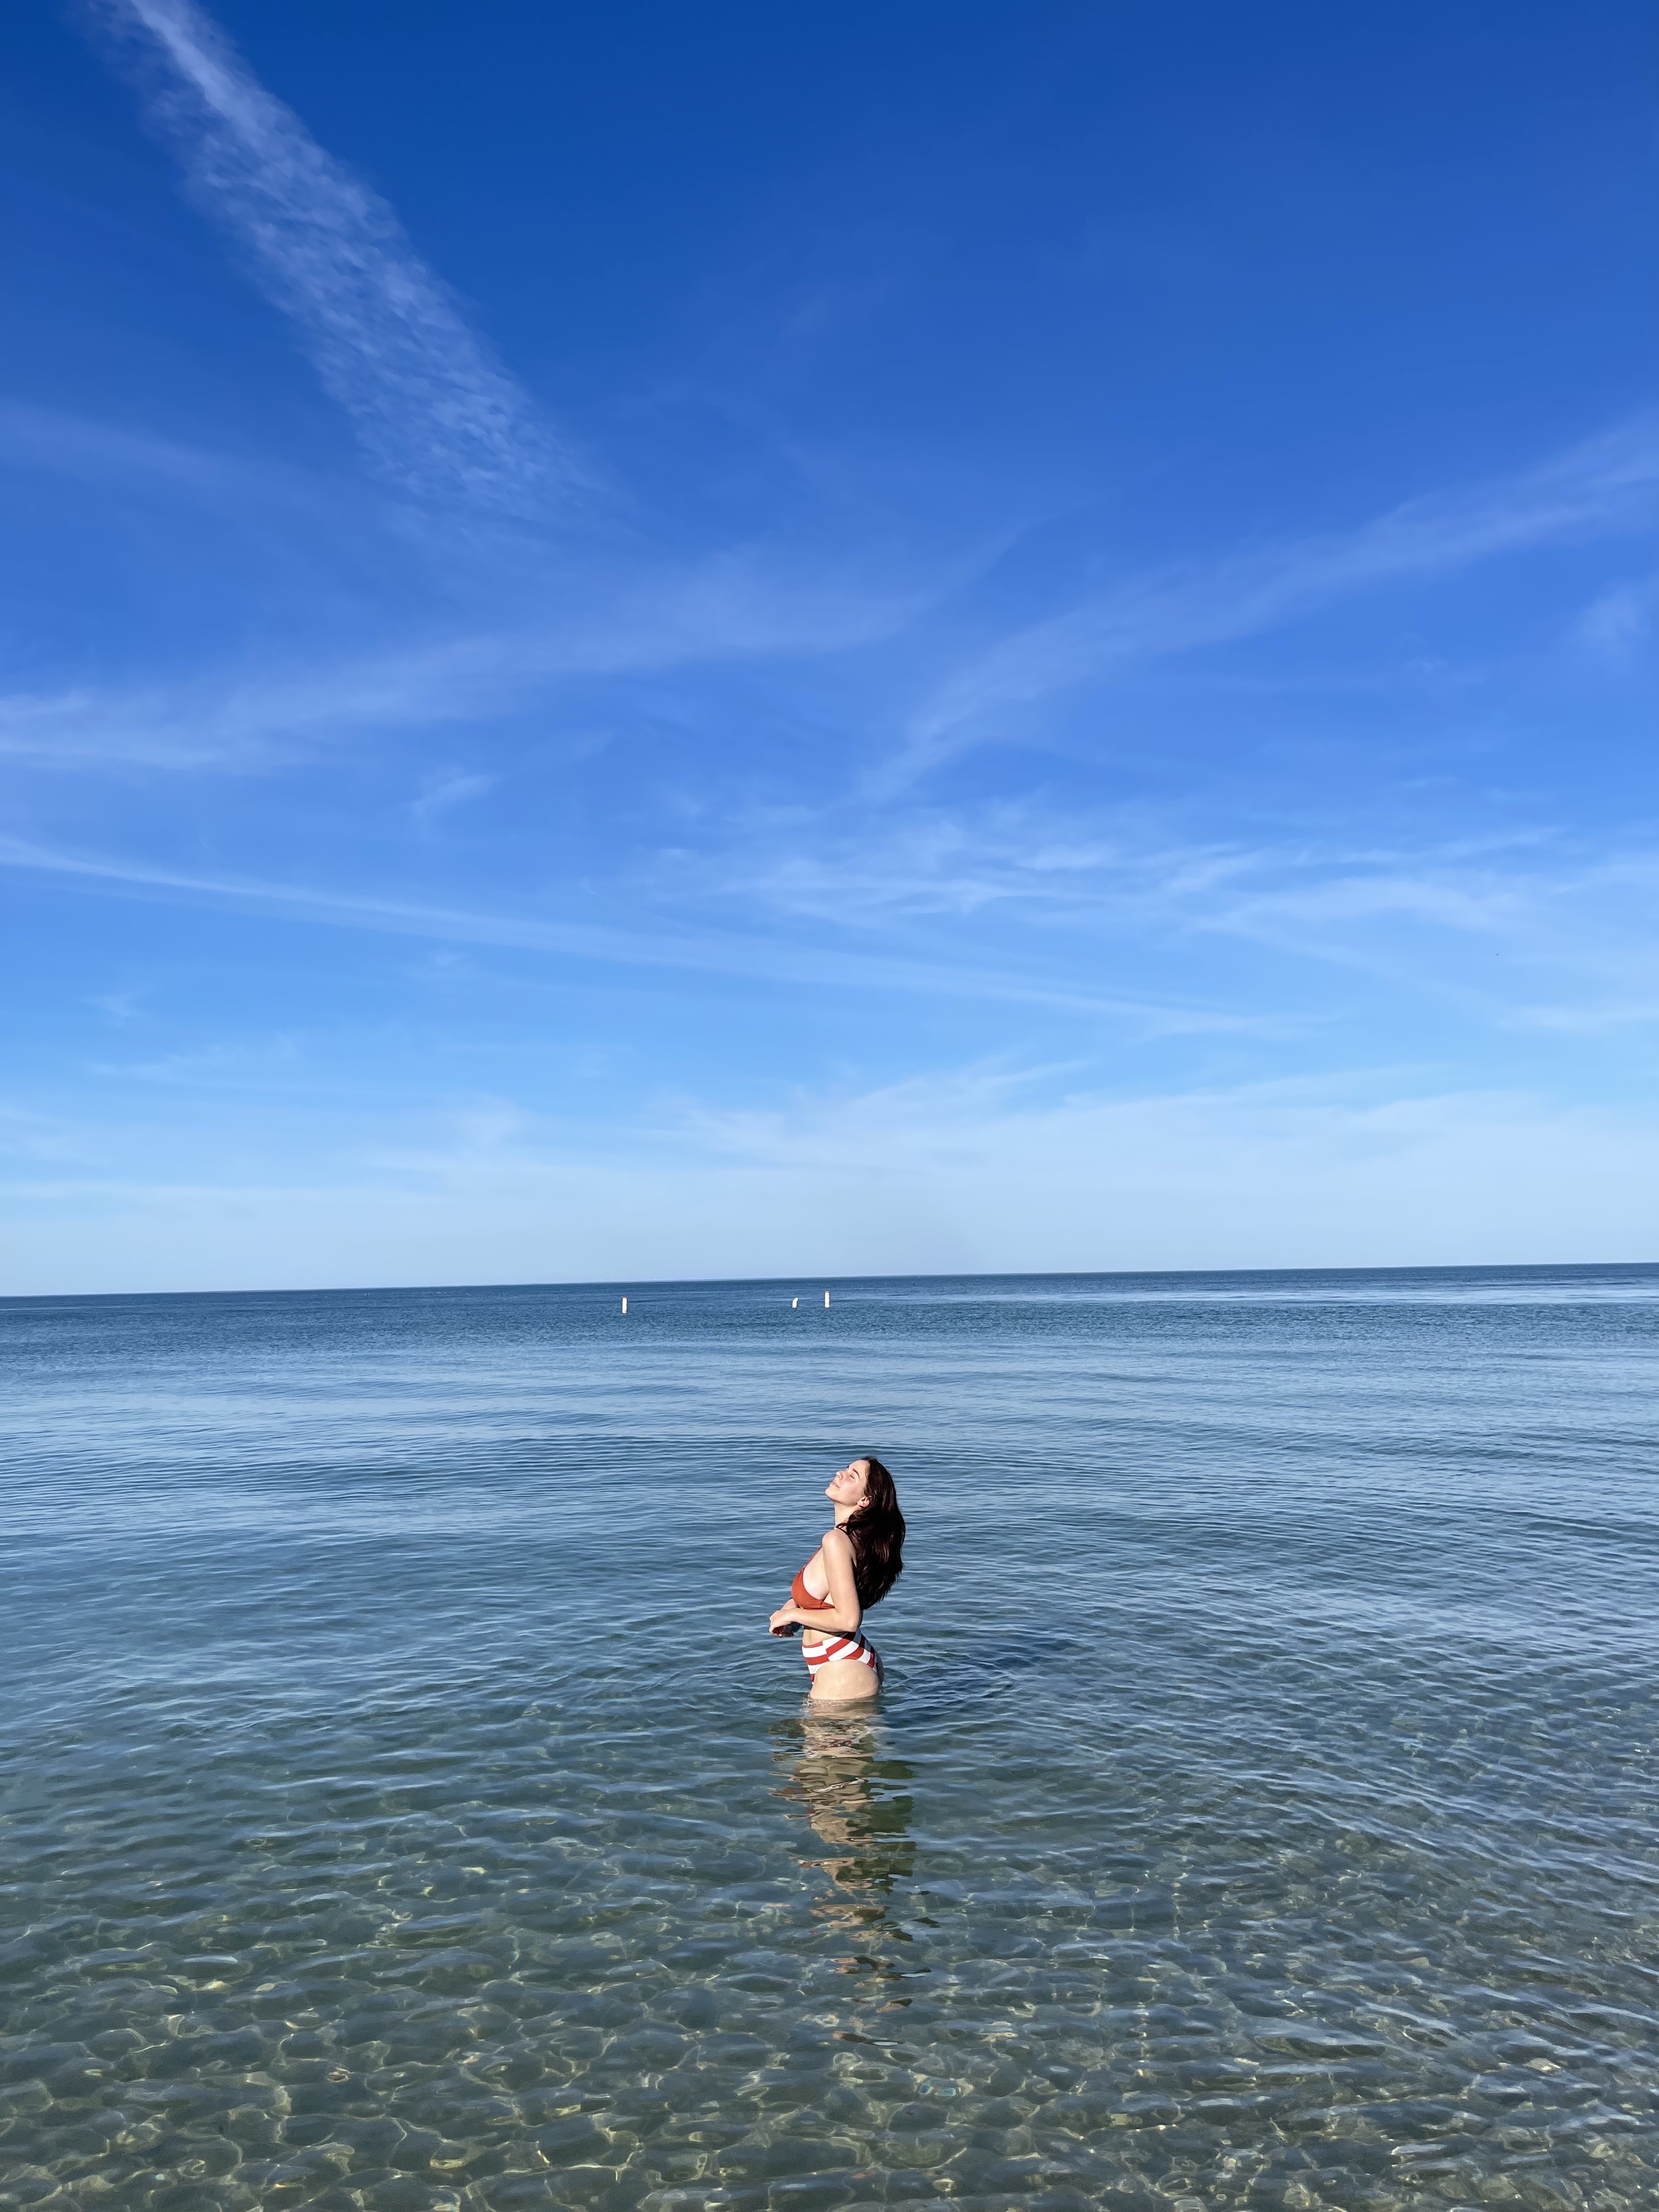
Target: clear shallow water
{"x":1261,"y":1809}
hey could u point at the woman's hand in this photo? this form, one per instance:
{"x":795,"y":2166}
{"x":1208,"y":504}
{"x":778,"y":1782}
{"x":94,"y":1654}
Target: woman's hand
{"x":785,"y":1621}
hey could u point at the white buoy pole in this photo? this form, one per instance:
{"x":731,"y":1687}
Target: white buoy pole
{"x":793,"y":1303}
{"x":624,"y":1305}
{"x":826,"y":1298}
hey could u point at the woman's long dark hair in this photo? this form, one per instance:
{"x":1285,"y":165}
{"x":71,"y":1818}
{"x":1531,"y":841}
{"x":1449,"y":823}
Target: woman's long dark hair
{"x":876,"y":1531}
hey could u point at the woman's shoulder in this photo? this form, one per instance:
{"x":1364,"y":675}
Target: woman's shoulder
{"x":835,"y":1536}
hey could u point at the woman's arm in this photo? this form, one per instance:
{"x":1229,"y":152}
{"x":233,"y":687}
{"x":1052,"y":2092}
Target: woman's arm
{"x":841,"y":1616}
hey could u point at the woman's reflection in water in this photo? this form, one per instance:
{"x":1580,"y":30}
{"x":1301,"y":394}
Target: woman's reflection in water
{"x":832,"y":1775}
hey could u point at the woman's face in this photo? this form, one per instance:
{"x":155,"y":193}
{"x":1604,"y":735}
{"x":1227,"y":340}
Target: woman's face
{"x":846,"y":1488}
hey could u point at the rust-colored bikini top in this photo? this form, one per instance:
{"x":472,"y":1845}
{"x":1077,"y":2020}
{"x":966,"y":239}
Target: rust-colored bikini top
{"x":800,"y":1594}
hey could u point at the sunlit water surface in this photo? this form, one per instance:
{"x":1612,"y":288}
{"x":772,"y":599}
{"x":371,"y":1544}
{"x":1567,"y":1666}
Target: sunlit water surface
{"x":405,"y":1806}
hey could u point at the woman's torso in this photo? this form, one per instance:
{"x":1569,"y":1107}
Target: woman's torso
{"x":810,"y":1591}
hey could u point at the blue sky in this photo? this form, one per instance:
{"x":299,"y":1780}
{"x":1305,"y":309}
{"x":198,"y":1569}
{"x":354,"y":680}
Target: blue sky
{"x":659,"y":642}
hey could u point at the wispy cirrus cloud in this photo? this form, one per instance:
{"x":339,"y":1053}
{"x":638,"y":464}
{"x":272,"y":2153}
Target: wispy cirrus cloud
{"x":439,"y":417}
{"x":1525,"y":927}
{"x":446,"y":790}
{"x":1124,"y":868}
{"x":1610,"y":483}
{"x":747,"y":604}
{"x":106,"y":454}
{"x":246,"y":725}
{"x":701,"y":949}
{"x":1522,"y":933}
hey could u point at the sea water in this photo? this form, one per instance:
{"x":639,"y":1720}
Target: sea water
{"x":405,"y":1806}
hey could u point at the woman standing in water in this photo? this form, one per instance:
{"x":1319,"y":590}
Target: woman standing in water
{"x":857,"y":1564}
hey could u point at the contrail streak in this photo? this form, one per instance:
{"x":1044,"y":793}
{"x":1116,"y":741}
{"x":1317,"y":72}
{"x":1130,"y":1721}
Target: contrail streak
{"x":437,"y":416}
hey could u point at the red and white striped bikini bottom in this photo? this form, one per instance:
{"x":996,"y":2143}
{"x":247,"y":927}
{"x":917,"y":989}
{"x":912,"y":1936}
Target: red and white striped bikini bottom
{"x":844,"y":1647}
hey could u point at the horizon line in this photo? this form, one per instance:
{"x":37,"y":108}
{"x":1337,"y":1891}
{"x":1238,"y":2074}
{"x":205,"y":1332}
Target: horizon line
{"x":630,"y":1284}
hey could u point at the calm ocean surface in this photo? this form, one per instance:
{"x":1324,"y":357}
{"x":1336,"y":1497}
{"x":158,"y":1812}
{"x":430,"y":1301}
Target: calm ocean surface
{"x":1263,"y":1808}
